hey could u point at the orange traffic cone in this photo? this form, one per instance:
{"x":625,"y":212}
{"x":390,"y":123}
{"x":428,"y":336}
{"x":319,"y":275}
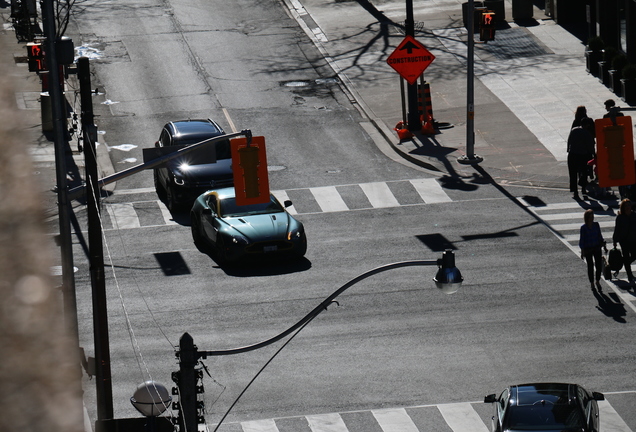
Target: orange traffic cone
{"x":428,"y":128}
{"x":403,"y":133}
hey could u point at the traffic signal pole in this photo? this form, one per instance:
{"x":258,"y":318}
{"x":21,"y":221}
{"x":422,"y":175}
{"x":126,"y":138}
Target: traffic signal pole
{"x":470,"y":157}
{"x":413,"y":121}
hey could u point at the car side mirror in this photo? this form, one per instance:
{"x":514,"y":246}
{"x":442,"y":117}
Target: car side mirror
{"x":206,"y":211}
{"x":287,"y":203}
{"x":157,"y":144}
{"x":491,"y":398}
{"x":598,"y":396}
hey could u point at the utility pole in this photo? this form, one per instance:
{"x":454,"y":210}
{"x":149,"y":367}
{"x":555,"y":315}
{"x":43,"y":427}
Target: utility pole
{"x":413,"y":121}
{"x":103,"y":381}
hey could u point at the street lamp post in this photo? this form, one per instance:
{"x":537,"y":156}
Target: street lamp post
{"x":151,"y":399}
{"x":448,"y":279}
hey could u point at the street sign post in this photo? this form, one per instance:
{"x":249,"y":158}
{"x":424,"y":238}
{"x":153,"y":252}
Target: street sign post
{"x":410,"y":59}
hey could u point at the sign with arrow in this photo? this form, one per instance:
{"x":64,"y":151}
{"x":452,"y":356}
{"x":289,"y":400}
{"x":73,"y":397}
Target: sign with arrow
{"x":410,"y":59}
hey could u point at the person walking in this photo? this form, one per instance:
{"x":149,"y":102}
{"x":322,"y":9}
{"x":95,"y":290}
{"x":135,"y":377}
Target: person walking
{"x":580,"y":150}
{"x":591,"y":241}
{"x":612,"y":109}
{"x":579,"y":114}
{"x":625,"y":235}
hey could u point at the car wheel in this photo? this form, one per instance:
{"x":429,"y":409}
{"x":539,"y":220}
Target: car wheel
{"x":170,"y":200}
{"x":302,"y":250}
{"x":161,"y":191}
{"x":197,"y":237}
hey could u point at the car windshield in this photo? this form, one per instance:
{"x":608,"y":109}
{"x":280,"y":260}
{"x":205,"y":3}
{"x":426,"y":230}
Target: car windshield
{"x":544,"y":409}
{"x":229,"y":208}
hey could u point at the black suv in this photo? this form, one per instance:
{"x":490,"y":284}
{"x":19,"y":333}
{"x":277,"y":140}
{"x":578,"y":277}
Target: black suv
{"x":181,"y":180}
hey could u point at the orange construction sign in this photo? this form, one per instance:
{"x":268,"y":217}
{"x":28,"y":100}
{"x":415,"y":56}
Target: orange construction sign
{"x":249,"y":164}
{"x":410,"y":59}
{"x":615,"y":152}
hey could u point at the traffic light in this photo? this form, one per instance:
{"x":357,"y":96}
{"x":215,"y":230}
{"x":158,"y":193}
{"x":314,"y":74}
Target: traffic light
{"x":249,"y":164}
{"x":35,"y":55}
{"x":487,"y":26}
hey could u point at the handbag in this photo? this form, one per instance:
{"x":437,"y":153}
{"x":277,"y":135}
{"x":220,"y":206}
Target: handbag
{"x":615,"y":259}
{"x":607,"y":271}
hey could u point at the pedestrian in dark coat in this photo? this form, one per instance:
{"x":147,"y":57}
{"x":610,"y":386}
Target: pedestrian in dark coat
{"x":625,"y":235}
{"x":591,"y":241}
{"x":581,"y":148}
{"x":579,"y":114}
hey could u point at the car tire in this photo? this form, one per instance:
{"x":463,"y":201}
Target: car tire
{"x":170,"y":200}
{"x":161,"y":191}
{"x":197,"y":237}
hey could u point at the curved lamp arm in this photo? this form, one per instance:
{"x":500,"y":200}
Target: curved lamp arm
{"x":448,"y":274}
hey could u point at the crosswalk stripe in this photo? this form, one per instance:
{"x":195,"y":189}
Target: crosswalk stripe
{"x":430,"y":191}
{"x":329,"y":199}
{"x":267,"y":425}
{"x":326,"y":423}
{"x":610,"y":420}
{"x":394,"y":420}
{"x":282,"y":196}
{"x":123,"y":215}
{"x":577,"y":226}
{"x":165,"y":213}
{"x":379,"y":195}
{"x":575,"y":216}
{"x":462,"y":417}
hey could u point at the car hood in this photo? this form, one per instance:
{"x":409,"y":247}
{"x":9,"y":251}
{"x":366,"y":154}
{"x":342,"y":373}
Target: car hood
{"x":222,"y":169}
{"x":261,"y":227}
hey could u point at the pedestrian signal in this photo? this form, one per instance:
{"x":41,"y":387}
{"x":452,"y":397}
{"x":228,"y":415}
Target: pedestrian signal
{"x":614,"y":152}
{"x":487,"y":26}
{"x":249,"y":164}
{"x":35,"y":55}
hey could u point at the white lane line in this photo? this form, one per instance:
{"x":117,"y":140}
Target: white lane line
{"x":379,"y":195}
{"x":462,"y":417}
{"x":430,"y":191}
{"x":282,"y":196}
{"x":329,"y":199}
{"x":260,"y":426}
{"x":394,"y":420}
{"x":326,"y":423}
{"x":123,"y":215}
{"x":610,"y":420}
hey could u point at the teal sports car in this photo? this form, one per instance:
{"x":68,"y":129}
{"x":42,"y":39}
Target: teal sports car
{"x":235,"y":232}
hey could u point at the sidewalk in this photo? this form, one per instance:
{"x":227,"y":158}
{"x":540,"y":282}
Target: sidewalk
{"x":528,"y":84}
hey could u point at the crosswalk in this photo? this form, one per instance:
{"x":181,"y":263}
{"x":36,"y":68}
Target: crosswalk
{"x":565,"y":218}
{"x":455,"y":417}
{"x":324,"y":199}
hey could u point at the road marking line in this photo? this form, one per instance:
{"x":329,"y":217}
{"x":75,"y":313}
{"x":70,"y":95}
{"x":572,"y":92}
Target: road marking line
{"x":394,"y":420}
{"x":462,"y":417}
{"x":329,"y":199}
{"x":379,"y":195}
{"x":282,"y":196}
{"x":430,"y":191}
{"x":576,"y":216}
{"x":259,"y":426}
{"x":577,"y":226}
{"x":229,"y":120}
{"x":123,"y":215}
{"x":326,"y":423}
{"x":165,"y":213}
{"x":610,"y":420}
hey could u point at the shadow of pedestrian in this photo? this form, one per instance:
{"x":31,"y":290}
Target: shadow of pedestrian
{"x":610,"y":304}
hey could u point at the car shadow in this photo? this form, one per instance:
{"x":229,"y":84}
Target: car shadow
{"x":264,"y":266}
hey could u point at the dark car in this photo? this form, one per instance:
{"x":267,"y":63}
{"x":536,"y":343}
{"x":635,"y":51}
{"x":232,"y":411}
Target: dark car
{"x":548,"y":407}
{"x":236,"y":232}
{"x":183,"y":179}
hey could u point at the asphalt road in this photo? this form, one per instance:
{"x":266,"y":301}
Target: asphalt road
{"x":525,"y":313}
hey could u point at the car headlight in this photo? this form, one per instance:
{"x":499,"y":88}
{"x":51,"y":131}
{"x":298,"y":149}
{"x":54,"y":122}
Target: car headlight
{"x":239,"y":240}
{"x":294,"y":234}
